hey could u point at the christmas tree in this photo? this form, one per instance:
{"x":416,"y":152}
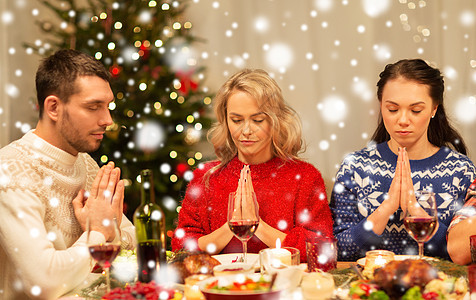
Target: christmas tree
{"x":160,"y":110}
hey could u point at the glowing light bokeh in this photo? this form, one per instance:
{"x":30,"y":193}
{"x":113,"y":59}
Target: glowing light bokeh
{"x":279,"y":55}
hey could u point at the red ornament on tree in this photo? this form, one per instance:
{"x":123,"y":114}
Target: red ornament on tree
{"x":154,"y":72}
{"x":144,"y":50}
{"x":115,"y":70}
{"x":186,"y":82}
{"x":181,"y":169}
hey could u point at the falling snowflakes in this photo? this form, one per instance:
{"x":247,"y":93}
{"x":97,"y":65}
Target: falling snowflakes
{"x":211,"y":248}
{"x":35,"y":290}
{"x":375,"y":8}
{"x":333,"y":109}
{"x":324,"y":5}
{"x":368,"y":225}
{"x":382,"y":52}
{"x":12,"y":90}
{"x":465,"y":109}
{"x":7,"y":17}
{"x":149,"y":136}
{"x":467,"y":18}
{"x":279,"y":56}
{"x":179,"y":233}
{"x":282,"y":225}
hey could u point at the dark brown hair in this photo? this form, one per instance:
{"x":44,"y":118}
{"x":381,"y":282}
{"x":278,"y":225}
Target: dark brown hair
{"x":57,"y":74}
{"x":440,"y":131}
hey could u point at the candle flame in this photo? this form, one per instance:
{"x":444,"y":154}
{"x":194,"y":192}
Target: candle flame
{"x":278,"y":243}
{"x":380,"y":261}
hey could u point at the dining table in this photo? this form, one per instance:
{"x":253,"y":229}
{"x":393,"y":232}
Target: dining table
{"x":343,"y":269}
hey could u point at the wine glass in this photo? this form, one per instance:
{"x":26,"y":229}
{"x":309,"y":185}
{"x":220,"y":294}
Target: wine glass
{"x":243,"y":217}
{"x":421,"y":218}
{"x":104,"y":253}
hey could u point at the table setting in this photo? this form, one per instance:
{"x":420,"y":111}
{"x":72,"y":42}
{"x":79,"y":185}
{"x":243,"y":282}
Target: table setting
{"x":277,"y":273}
{"x":291,"y":282}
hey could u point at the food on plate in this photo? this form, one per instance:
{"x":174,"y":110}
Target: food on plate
{"x":364,"y":289}
{"x":233,"y":268}
{"x":409,"y":280}
{"x":187,"y":264}
{"x":398,"y":276}
{"x":244,"y":283}
{"x":143,"y":291}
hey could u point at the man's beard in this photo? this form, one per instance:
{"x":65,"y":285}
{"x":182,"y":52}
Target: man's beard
{"x":72,"y":136}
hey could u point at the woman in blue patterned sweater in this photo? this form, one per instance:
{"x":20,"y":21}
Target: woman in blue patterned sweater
{"x":413,"y":148}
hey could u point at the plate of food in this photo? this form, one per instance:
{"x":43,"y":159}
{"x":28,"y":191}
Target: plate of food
{"x":225,"y":259}
{"x":361,"y":261}
{"x":240,"y":287}
{"x":409,"y":279}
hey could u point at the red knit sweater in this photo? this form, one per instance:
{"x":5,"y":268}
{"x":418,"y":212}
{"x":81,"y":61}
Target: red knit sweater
{"x":291,"y":197}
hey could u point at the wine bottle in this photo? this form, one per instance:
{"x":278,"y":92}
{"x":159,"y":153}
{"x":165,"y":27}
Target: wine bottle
{"x":149,"y":220}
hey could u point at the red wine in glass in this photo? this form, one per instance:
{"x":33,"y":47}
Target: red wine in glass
{"x":104,"y":255}
{"x":243,"y":217}
{"x":421,"y":218}
{"x":420,"y":228}
{"x":243,"y":230}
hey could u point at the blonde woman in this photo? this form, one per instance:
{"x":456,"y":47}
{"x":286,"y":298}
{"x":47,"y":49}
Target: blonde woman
{"x":255,"y":128}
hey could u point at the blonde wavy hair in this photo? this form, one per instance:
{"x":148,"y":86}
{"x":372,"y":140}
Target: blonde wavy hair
{"x":286,"y":130}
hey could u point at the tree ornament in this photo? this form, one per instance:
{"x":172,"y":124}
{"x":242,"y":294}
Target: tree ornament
{"x":181,"y":169}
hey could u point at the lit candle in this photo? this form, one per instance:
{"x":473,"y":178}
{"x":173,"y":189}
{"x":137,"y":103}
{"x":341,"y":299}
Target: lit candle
{"x":317,"y":286}
{"x":375,"y":259}
{"x":380,"y":261}
{"x":280,"y":256}
{"x":192,"y":289}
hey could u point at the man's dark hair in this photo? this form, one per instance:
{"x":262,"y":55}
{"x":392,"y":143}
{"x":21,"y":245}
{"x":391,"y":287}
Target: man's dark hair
{"x":57,"y":74}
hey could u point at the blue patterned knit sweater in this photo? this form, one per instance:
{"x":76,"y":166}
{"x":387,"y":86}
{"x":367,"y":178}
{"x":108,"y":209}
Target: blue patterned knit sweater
{"x":363,"y":181}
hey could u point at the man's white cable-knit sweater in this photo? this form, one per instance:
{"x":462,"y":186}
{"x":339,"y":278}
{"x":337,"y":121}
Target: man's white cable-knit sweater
{"x":43,"y":251}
